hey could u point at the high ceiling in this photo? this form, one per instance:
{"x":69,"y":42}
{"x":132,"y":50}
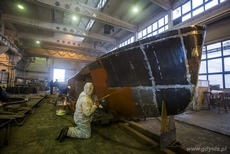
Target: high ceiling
{"x":97,"y":28}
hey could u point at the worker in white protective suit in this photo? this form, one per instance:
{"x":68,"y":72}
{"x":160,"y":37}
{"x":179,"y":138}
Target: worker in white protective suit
{"x":85,"y":107}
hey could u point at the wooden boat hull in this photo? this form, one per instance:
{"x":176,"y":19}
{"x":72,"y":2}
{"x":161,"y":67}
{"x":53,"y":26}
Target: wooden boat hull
{"x":136,"y":78}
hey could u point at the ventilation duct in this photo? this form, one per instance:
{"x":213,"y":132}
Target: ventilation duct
{"x":108,"y":28}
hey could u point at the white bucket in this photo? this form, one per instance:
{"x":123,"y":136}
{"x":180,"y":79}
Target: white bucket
{"x":60,"y":109}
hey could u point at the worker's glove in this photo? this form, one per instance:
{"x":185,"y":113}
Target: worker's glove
{"x":98,"y":104}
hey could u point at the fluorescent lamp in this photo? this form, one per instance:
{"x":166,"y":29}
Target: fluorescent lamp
{"x":20,"y":6}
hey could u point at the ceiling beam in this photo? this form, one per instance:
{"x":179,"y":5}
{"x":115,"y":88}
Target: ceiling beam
{"x":56,"y":27}
{"x":61,"y":49}
{"x":70,"y":50}
{"x":165,"y":4}
{"x":88,"y":12}
{"x":48,"y":52}
{"x":61,"y":40}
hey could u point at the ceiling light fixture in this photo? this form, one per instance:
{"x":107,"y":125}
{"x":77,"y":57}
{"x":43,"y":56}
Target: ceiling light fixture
{"x":38,"y":42}
{"x":135,"y":9}
{"x":20,"y":6}
{"x":74,"y":18}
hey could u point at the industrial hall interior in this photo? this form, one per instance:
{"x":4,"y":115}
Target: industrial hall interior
{"x":114,"y":76}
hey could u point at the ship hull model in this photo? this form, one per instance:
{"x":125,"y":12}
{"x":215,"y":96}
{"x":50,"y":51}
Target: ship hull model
{"x":135,"y":79}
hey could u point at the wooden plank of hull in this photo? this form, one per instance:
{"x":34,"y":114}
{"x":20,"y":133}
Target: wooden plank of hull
{"x":140,"y":75}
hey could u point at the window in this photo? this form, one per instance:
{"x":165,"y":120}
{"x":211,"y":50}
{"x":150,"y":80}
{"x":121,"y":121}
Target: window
{"x":176,"y":13}
{"x":132,"y":39}
{"x":161,"y":30}
{"x":166,"y":27}
{"x":157,"y":27}
{"x":227,"y":64}
{"x":192,"y":8}
{"x":154,"y":33}
{"x":186,"y":7}
{"x":149,"y":29}
{"x":196,"y":3}
{"x":202,"y":77}
{"x":161,"y":22}
{"x":198,"y":11}
{"x":210,"y":4}
{"x":227,"y":81}
{"x":218,"y":69}
{"x":226,"y":47}
{"x":186,"y":17}
{"x":203,"y":68}
{"x":149,"y":35}
{"x":203,"y":56}
{"x":114,"y":49}
{"x":213,"y":50}
{"x":215,"y":65}
{"x":59,"y":74}
{"x":166,"y":19}
{"x":216,"y":80}
{"x":140,"y":34}
{"x":144,"y":32}
{"x":128,"y":41}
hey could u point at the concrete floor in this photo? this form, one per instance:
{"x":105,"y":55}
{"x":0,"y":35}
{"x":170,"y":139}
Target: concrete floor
{"x":38,"y":133}
{"x":209,"y":119}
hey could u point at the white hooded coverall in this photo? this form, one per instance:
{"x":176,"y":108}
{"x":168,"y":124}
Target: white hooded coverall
{"x":83,"y":114}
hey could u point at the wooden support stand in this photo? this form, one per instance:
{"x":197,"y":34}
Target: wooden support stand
{"x":168,"y":129}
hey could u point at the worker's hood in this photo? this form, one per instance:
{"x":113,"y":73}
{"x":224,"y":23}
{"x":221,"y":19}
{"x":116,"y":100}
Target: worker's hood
{"x":88,"y":88}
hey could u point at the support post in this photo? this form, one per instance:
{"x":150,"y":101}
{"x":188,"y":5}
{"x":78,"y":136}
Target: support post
{"x":168,"y":129}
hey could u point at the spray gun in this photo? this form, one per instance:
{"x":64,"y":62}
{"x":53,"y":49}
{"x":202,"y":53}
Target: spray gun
{"x":101,"y":100}
{"x":103,"y":97}
{"x":119,"y":90}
